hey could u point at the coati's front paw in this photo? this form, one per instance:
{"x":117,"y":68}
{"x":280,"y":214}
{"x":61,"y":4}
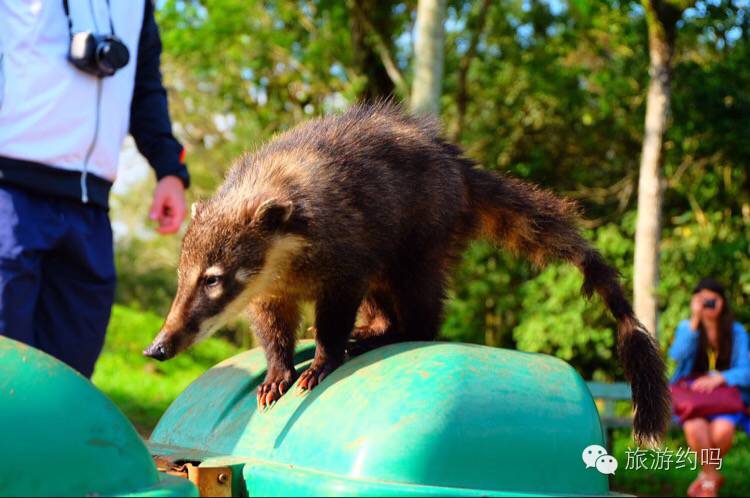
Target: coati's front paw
{"x":315,"y":374}
{"x":273,"y":388}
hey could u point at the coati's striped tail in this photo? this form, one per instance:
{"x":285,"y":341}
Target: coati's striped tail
{"x":537,"y":224}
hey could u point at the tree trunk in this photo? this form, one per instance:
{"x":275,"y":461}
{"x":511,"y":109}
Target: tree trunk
{"x":428,"y":56}
{"x":661,"y":18}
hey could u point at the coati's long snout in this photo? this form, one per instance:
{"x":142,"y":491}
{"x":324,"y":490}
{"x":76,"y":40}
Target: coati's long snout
{"x":160,"y":349}
{"x":175,"y":336}
{"x":168,"y":343}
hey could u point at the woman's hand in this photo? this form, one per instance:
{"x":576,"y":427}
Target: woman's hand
{"x":707,"y":383}
{"x":696,"y":311}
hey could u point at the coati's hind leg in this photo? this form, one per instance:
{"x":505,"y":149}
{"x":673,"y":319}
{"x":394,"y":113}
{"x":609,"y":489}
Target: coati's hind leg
{"x":275,"y":323}
{"x":376,"y":316}
{"x":415,"y":307}
{"x":379,"y":323}
{"x":335,"y":314}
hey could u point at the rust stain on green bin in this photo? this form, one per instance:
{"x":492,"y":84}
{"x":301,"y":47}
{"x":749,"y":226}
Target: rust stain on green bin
{"x":408,"y":419}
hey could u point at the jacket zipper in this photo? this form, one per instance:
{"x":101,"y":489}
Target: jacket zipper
{"x":90,"y":151}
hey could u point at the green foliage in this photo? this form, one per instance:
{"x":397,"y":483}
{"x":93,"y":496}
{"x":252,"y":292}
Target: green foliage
{"x":482,"y":307}
{"x":146,"y":273}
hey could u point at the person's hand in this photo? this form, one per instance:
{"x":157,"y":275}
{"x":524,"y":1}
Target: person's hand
{"x":168,"y":206}
{"x":696,"y":311}
{"x":707,"y":383}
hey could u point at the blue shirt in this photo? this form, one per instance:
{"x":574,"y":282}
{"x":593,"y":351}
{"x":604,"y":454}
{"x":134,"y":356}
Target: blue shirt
{"x":685,"y":346}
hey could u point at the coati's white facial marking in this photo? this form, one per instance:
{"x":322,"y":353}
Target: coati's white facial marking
{"x":215,"y":292}
{"x":214,"y":271}
{"x":269,"y":279}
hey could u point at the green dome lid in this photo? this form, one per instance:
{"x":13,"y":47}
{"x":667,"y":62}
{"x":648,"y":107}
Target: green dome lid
{"x":60,"y":436}
{"x":407,"y":419}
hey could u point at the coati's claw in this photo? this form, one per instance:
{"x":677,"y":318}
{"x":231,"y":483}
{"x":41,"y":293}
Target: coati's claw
{"x":307,"y":380}
{"x":314,"y":376}
{"x":270,"y":392}
{"x":265,"y":399}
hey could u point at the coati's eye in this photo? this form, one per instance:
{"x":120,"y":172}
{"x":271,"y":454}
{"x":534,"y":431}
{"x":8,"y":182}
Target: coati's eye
{"x":212,"y":281}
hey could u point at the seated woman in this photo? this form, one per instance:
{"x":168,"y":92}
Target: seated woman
{"x":714,"y":348}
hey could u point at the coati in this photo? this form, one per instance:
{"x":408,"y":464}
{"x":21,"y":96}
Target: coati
{"x":365,"y":213}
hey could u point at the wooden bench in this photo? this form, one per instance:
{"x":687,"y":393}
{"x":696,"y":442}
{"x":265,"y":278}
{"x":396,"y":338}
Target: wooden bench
{"x":608,"y":394}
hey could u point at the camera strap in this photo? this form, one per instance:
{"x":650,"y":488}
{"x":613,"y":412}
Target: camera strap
{"x":66,"y":7}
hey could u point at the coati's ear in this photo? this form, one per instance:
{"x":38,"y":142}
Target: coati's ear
{"x":273,"y":215}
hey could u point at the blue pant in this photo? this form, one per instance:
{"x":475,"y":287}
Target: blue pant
{"x":57,"y":275}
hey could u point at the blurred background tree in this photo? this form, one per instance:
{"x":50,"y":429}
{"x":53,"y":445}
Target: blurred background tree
{"x":662,"y":17}
{"x":428,"y":57}
{"x":551,"y":91}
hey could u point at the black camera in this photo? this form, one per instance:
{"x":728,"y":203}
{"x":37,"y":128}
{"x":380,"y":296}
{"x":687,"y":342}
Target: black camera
{"x":709,"y":304}
{"x":100,"y":55}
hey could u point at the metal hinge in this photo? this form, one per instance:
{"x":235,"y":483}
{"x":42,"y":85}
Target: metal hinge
{"x":210,"y":481}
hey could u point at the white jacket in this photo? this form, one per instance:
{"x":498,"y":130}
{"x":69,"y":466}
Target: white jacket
{"x":56,"y":116}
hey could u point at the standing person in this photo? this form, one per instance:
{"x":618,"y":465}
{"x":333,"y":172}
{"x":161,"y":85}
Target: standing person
{"x":75,"y":77}
{"x":712,"y":348}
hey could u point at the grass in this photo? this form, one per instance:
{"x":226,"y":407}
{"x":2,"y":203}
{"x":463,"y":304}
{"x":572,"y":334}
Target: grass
{"x":673,"y":481}
{"x":144,"y":388}
{"x":141,"y":387}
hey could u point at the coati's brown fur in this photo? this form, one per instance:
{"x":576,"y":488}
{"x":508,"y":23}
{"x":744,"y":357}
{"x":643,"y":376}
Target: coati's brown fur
{"x":368,"y":212}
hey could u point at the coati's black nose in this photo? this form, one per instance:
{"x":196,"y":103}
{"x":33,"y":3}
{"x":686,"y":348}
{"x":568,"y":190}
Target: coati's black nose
{"x":157,"y":352}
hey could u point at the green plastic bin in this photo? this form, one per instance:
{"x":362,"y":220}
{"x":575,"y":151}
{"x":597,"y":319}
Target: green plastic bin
{"x":60,"y":436}
{"x":409,"y":419}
